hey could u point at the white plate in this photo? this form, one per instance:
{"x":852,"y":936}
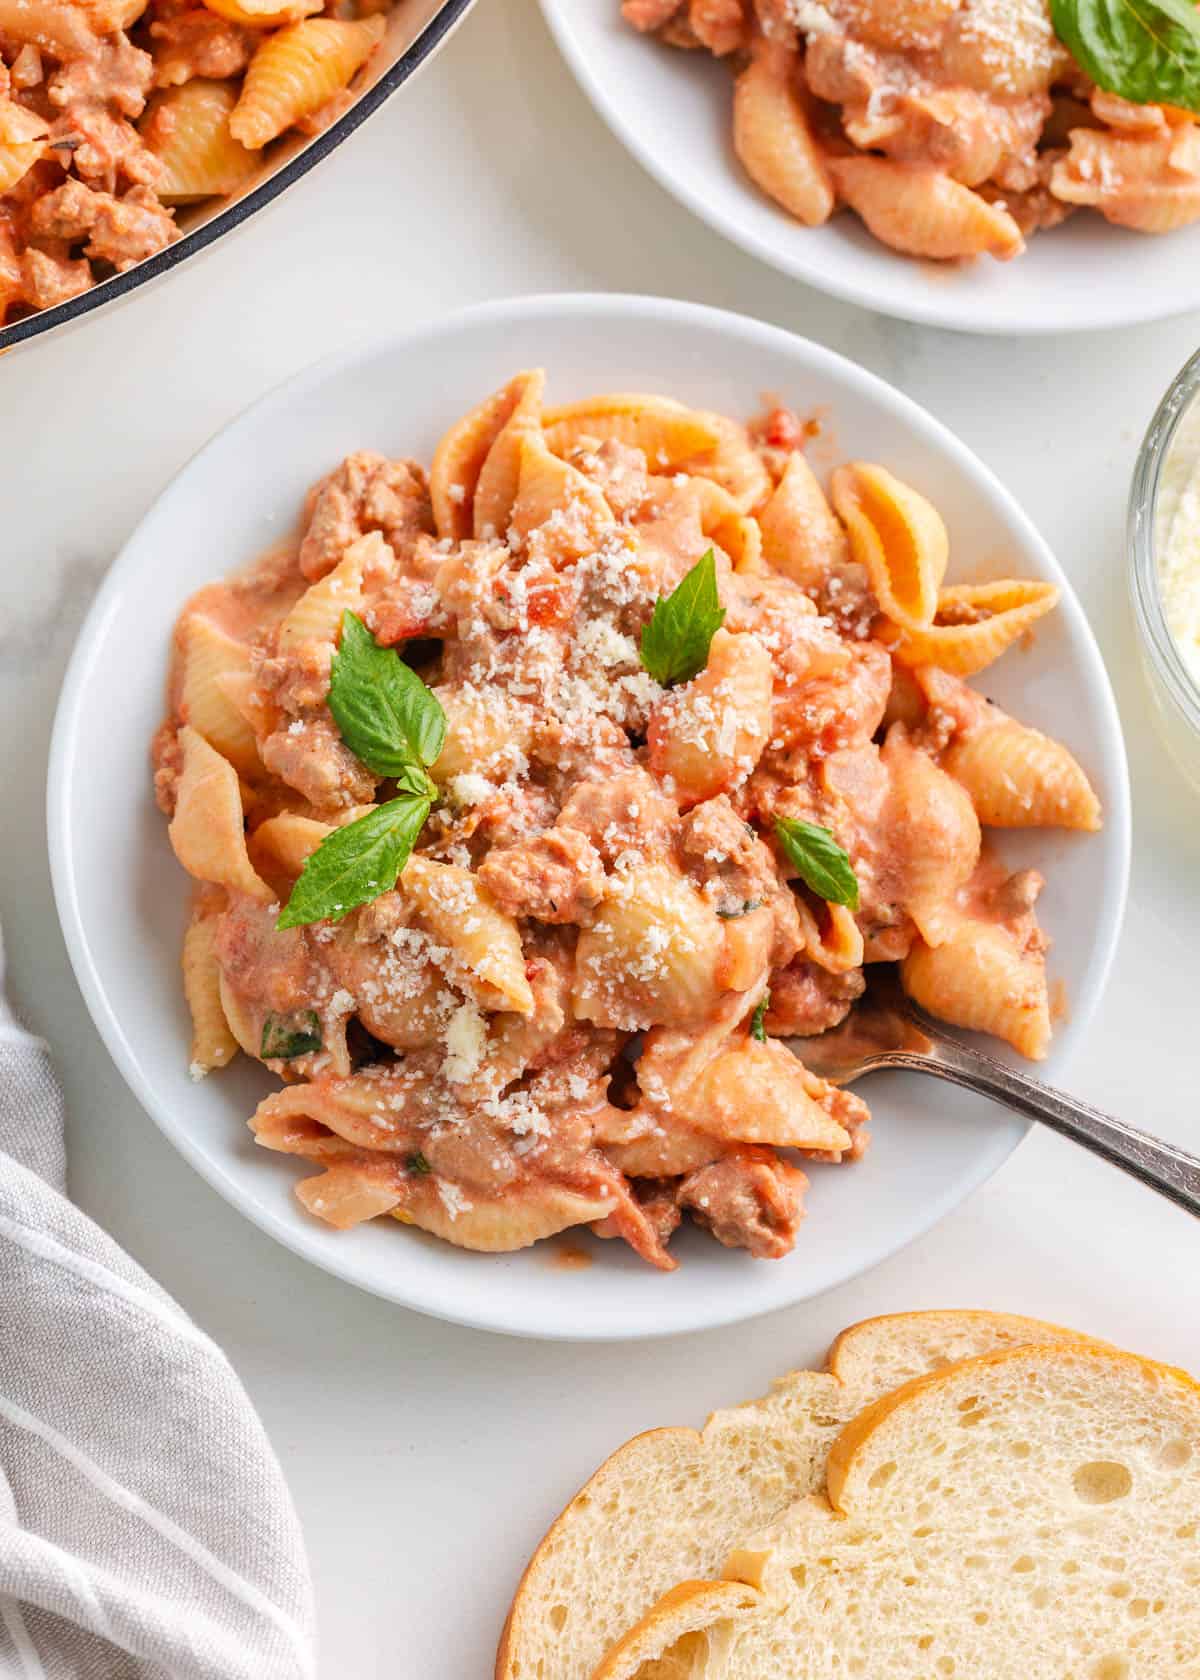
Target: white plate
{"x":121,"y":896}
{"x":673,"y":110}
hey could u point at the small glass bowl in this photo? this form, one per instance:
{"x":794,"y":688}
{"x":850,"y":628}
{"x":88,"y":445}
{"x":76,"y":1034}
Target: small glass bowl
{"x":1175,"y":692}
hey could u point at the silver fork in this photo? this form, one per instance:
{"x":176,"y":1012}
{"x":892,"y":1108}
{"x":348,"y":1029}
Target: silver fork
{"x":888,"y":1031}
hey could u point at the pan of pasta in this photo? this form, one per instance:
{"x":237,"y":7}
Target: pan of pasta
{"x":133,"y":133}
{"x":577,"y":758}
{"x":991,"y":165}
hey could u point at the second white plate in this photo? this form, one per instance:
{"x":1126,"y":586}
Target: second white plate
{"x":122,"y":897}
{"x":673,"y":110}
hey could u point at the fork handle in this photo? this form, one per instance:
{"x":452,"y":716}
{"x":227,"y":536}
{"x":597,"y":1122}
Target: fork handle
{"x":1172,"y":1172}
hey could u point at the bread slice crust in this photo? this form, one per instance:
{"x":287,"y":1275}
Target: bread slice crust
{"x":743,"y":1445}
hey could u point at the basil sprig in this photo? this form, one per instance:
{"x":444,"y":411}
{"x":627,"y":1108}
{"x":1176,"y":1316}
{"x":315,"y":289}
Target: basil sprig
{"x":1147,"y":51}
{"x":386,"y":715}
{"x":396,"y":726}
{"x":757,"y":1028}
{"x":676,"y":641}
{"x":820,"y":862}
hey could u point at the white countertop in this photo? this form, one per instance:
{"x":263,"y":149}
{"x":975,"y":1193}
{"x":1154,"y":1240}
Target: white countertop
{"x":426,"y":1460}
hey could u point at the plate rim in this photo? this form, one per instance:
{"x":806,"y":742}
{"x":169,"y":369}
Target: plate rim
{"x":491,"y":1312}
{"x":865,"y":294}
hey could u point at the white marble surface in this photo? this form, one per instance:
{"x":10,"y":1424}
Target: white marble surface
{"x":425,"y":1460}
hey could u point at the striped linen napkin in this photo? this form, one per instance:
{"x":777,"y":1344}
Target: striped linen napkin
{"x":145,"y":1529}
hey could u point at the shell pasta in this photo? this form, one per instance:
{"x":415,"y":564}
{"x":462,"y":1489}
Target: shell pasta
{"x":951,"y":128}
{"x":667,"y":742}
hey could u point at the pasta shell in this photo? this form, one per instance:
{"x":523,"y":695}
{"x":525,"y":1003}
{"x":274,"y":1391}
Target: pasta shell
{"x":489,"y":962}
{"x":707,"y":734}
{"x":459,"y":457}
{"x":497,"y":1226}
{"x":298,"y":69}
{"x":1019,"y":778}
{"x":733,"y":464}
{"x":758,"y":1093}
{"x":935,"y":836}
{"x":924,"y":213}
{"x":17,"y":158}
{"x":206,"y":831}
{"x":742,"y":540}
{"x":897,"y":536}
{"x":650,"y":954}
{"x":553,"y":494}
{"x":975,"y":623}
{"x":800,"y":536}
{"x":262,"y":14}
{"x":208,"y":655}
{"x":56,"y":26}
{"x":837,"y":944}
{"x":349,"y":1193}
{"x":328,"y":1119}
{"x":317,"y":615}
{"x":773,"y":138}
{"x":281,"y":845}
{"x":213,"y":1045}
{"x":978,"y":979}
{"x":486,"y":735}
{"x":18,"y":124}
{"x":665,"y":431}
{"x":187,"y":128}
{"x":496,"y":489}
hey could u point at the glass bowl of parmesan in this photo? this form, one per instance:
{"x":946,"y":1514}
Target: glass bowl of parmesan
{"x":1164,"y":545}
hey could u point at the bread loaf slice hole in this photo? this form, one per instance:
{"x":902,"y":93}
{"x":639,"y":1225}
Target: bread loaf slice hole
{"x":1101,"y":1481}
{"x":1111,"y":1668}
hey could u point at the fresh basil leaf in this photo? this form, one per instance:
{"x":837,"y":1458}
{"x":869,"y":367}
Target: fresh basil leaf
{"x":819,"y":861}
{"x":417,"y":1165}
{"x":676,"y":641}
{"x":285,"y":1036}
{"x":355,"y":864}
{"x":1147,"y":51}
{"x":757,"y":1029}
{"x":387,"y":717}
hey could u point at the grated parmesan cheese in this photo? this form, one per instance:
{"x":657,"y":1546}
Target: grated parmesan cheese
{"x":466,"y":1041}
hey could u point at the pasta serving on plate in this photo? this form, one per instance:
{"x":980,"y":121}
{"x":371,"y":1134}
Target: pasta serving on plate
{"x":533,"y":803}
{"x":113,"y":113}
{"x":957,"y":128}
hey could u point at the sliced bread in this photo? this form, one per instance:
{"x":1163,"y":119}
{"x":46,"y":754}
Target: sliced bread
{"x":1030,"y":1515}
{"x":669,"y":1505}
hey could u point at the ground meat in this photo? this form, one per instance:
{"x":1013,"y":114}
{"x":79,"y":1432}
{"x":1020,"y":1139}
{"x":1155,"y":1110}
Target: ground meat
{"x":1017,"y":894}
{"x":118,"y":76}
{"x":298,"y":680}
{"x":129,"y":229}
{"x":198,"y":43}
{"x":727,"y":858}
{"x":104,"y":148}
{"x":619,"y":471}
{"x":47,"y":278}
{"x":166,"y":755}
{"x":748,"y":1199}
{"x":807,"y":999}
{"x":556,"y":878}
{"x":625,"y":812}
{"x":366,"y":493}
{"x":719,"y":25}
{"x":66,"y":213}
{"x":310,"y":756}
